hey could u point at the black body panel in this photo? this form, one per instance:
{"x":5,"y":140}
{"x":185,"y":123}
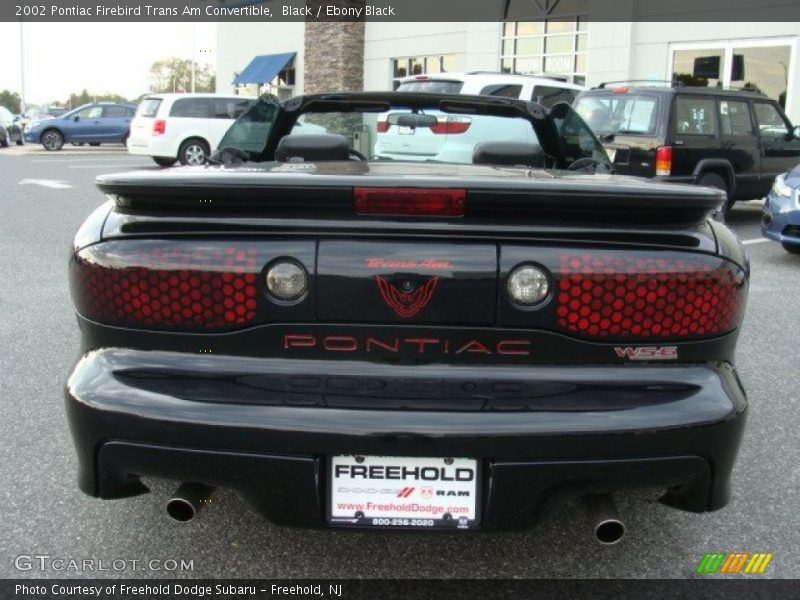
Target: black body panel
{"x":692,"y":436}
{"x":358,"y":279}
{"x":408,"y":337}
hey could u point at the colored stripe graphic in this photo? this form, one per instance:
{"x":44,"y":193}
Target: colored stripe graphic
{"x":406,"y":492}
{"x":735,"y":562}
{"x":758,"y":563}
{"x":711,"y":562}
{"x":722,"y":562}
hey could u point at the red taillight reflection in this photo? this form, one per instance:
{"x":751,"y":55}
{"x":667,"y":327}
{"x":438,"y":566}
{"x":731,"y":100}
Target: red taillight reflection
{"x":627,"y":297}
{"x":410,"y":201}
{"x":382,"y":126}
{"x":167,"y":286}
{"x":159,"y":127}
{"x":664,"y":160}
{"x":451,"y":125}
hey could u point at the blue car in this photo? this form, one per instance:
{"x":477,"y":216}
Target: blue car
{"x":93,"y":124}
{"x":781,"y":218}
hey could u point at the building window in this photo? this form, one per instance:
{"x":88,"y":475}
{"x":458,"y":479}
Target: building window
{"x":551,"y":47}
{"x":421,"y":65}
{"x":762,"y":66}
{"x":283,"y":84}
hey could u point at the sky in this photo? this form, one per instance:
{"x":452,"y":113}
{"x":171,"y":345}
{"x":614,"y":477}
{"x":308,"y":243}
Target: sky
{"x":61,"y":58}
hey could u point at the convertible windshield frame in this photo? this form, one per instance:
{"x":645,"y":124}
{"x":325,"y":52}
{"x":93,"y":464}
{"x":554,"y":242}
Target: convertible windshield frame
{"x":551,"y":135}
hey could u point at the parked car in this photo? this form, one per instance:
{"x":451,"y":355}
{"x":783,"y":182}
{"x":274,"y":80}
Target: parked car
{"x":183,"y":127}
{"x":402,"y":345}
{"x":57,"y":111}
{"x":736,"y":141}
{"x":452,"y":139}
{"x":547,"y":91}
{"x":10,"y":131}
{"x":780,"y":220}
{"x":94,"y":124}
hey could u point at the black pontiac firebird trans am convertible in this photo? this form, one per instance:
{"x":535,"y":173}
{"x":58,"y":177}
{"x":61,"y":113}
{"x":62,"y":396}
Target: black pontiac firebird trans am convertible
{"x":388,"y":310}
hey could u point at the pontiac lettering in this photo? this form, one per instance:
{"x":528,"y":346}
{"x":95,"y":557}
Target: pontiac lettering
{"x":418,"y":345}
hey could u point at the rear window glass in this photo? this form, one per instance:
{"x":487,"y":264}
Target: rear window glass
{"x":432,"y":86}
{"x":428,"y":135}
{"x":149,"y":107}
{"x":209,"y":108}
{"x":229,"y":108}
{"x":549,"y":96}
{"x":770,"y":122}
{"x":734,"y":118}
{"x":623,"y":113}
{"x":199,"y":108}
{"x":90,"y":112}
{"x":504,"y":90}
{"x":695,"y":116}
{"x":115,"y":112}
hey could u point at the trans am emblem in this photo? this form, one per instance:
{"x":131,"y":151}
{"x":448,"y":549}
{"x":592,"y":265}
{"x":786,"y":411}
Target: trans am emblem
{"x":406,"y":304}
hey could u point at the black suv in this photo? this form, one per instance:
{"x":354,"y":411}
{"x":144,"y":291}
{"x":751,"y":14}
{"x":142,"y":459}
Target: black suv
{"x":734,"y":140}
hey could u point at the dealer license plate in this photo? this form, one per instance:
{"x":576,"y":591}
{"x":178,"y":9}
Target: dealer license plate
{"x":403,"y":492}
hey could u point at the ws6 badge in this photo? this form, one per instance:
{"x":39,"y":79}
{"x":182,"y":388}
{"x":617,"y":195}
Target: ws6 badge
{"x":406,"y":304}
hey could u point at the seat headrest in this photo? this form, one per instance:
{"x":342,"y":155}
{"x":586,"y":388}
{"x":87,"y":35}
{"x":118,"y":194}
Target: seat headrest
{"x":312,"y":148}
{"x":508,"y":154}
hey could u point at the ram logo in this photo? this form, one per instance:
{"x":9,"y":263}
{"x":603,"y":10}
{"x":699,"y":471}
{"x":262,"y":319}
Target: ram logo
{"x":648,"y":352}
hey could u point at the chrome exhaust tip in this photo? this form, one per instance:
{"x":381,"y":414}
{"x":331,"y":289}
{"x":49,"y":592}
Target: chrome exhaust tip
{"x":187,"y":501}
{"x":607,"y":526}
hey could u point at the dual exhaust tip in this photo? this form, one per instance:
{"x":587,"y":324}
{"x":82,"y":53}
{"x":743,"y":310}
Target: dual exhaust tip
{"x":608,"y":529}
{"x":188,"y":500}
{"x":603,"y":517}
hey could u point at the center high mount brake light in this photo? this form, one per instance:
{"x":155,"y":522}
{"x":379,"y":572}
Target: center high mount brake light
{"x":437,"y":202}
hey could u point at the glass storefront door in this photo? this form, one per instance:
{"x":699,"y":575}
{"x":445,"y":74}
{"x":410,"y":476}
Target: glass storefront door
{"x":760,"y":65}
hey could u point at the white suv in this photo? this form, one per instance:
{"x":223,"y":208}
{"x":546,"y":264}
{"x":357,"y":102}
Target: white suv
{"x":453,"y":139}
{"x":183,"y":127}
{"x":546,"y":91}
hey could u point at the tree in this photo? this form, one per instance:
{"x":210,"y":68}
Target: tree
{"x":78,"y":99}
{"x":84,"y":97}
{"x":689,"y":79}
{"x":175,"y":75}
{"x":11,"y":101}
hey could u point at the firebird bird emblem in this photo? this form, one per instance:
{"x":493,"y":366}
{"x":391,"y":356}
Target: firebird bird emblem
{"x":406,"y":304}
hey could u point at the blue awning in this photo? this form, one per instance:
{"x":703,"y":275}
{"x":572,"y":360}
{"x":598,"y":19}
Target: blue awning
{"x":263,"y":69}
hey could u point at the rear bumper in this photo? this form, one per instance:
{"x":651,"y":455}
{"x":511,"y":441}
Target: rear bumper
{"x":275,"y":456}
{"x":152,"y":146}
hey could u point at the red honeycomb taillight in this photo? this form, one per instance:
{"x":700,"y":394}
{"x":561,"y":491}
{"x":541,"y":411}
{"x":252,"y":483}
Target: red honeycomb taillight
{"x":168,"y":285}
{"x":648,"y":298}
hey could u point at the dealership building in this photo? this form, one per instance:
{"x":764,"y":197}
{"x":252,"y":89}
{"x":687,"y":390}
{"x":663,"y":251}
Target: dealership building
{"x":553,"y":38}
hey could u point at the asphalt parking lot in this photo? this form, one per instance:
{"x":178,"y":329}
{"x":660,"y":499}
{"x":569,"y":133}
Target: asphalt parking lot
{"x":43,"y":199}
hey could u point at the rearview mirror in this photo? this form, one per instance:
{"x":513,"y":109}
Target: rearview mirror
{"x":77,"y":118}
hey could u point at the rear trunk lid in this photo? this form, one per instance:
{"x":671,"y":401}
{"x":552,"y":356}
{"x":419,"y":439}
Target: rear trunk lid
{"x":191,"y":250}
{"x":418,"y":282}
{"x":494,"y":195}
